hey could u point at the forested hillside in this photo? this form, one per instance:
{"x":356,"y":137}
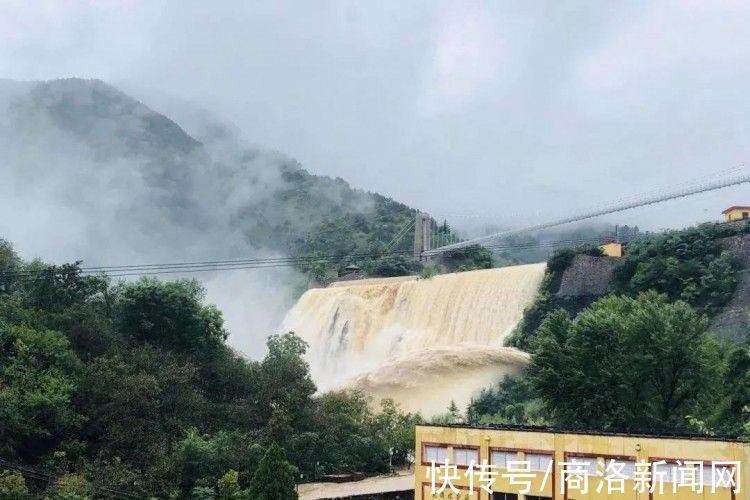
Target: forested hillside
{"x":123,"y":390}
{"x":640,"y":357}
{"x":131,"y":176}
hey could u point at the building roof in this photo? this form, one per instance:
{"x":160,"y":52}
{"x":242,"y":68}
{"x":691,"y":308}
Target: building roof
{"x":563,"y":430}
{"x":735,"y":207}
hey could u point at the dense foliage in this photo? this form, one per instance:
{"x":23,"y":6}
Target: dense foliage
{"x":546,"y":299}
{"x":639,"y":364}
{"x":641,"y":356}
{"x":690,"y":265}
{"x":513,"y":401}
{"x":130,"y":387}
{"x":467,"y":259}
{"x":642,"y":363}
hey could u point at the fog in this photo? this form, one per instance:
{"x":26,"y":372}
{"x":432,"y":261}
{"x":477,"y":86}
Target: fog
{"x":505,"y":113}
{"x":105,"y":196}
{"x":459,"y":108}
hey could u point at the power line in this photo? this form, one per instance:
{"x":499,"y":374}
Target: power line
{"x":649,"y":200}
{"x":41,"y":475}
{"x":243,"y":264}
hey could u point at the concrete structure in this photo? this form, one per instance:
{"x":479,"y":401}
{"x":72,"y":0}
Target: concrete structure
{"x":422,"y":236}
{"x":547,"y":454}
{"x":612,"y":248}
{"x":398,"y":486}
{"x":736,"y":213}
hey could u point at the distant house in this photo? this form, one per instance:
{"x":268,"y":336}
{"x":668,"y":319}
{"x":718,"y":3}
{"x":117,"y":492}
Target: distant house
{"x":736,"y":213}
{"x":351,"y":272}
{"x":612,"y":248}
{"x":351,"y":268}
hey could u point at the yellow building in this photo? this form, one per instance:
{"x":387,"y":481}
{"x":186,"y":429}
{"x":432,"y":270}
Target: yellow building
{"x":736,"y":213}
{"x":531,"y":463}
{"x":612,"y":248}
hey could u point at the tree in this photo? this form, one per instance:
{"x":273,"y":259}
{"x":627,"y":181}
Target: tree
{"x":467,"y":259}
{"x":275,"y":477}
{"x":229,"y":487}
{"x":171,"y":315}
{"x":9,"y":264}
{"x":13,"y":486}
{"x":689,"y":265}
{"x":38,"y":373}
{"x":512,"y":401}
{"x":138,"y":402}
{"x":70,"y":487}
{"x":284,"y":384}
{"x":347,"y":440}
{"x":732,"y":413}
{"x":629,"y":363}
{"x":396,"y":429}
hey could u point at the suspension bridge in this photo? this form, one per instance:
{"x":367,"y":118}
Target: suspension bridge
{"x":425,"y":234}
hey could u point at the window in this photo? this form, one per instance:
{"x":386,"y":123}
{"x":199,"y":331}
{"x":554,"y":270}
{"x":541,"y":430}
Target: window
{"x":716,"y":476}
{"x":504,"y":496}
{"x":628,"y":469}
{"x":465,"y":456}
{"x":666,"y":473}
{"x":589,"y":464}
{"x":500,"y":459}
{"x":538,"y":462}
{"x":708,"y":475}
{"x":435,"y":453}
{"x":745,"y":215}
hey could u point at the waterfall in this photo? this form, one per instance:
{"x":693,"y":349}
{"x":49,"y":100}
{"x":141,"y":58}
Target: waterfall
{"x":419,"y":341}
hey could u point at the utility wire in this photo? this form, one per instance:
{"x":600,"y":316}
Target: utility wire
{"x":241,"y":264}
{"x":41,"y":475}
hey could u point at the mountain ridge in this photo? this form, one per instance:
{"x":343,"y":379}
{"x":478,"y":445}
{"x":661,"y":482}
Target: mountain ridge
{"x":266,"y":200}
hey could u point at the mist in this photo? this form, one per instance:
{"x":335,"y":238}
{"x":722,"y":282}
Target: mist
{"x":104,"y":195}
{"x":490,"y":115}
{"x":496,"y":109}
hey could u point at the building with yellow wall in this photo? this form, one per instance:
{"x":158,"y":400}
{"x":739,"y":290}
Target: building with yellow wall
{"x":736,"y":213}
{"x":612,"y":248}
{"x":548,"y":463}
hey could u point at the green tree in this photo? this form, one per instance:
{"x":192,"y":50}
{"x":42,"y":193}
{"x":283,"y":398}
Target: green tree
{"x":229,"y":487}
{"x":70,"y":487}
{"x":284,"y":382}
{"x":13,"y":486}
{"x":637,"y":363}
{"x":38,"y":373}
{"x":512,"y":401}
{"x":689,"y":265}
{"x":396,"y":429}
{"x":138,"y":402}
{"x":169,"y":314}
{"x":275,"y":477}
{"x":9,"y":266}
{"x":731,"y":415}
{"x":467,"y":259}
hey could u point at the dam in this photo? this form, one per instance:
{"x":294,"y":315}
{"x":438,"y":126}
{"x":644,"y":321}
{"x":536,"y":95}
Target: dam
{"x":422,"y":342}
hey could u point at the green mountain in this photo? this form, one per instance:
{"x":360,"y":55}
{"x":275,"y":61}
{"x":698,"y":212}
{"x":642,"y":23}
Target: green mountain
{"x":139,"y":181}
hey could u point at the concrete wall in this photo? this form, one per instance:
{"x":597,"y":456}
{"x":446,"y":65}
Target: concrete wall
{"x":586,"y":275}
{"x":733,"y":322}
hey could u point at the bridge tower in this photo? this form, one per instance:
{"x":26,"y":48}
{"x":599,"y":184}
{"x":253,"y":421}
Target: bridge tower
{"x":422,"y":236}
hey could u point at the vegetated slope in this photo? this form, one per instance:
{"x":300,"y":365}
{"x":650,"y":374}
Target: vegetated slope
{"x":133,"y":177}
{"x":119,"y":390}
{"x":631,"y":343}
{"x":699,"y":265}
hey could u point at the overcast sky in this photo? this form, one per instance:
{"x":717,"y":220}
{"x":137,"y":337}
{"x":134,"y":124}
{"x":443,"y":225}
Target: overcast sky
{"x":505,"y":110}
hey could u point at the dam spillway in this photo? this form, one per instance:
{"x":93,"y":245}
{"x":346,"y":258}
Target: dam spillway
{"x":423,"y":342}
